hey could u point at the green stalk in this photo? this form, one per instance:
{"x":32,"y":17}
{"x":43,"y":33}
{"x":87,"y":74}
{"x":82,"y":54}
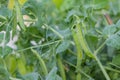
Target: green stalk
{"x":40,"y":45}
{"x":53,"y":30}
{"x":102,"y":68}
{"x":99,"y":63}
{"x":41,"y":61}
{"x":61,"y":68}
{"x":79,"y":54}
{"x":19,"y":15}
{"x":111,"y":69}
{"x":82,"y":72}
{"x":114,"y":65}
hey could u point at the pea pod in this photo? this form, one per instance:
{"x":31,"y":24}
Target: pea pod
{"x":21,"y":64}
{"x":61,"y":67}
{"x":19,"y":15}
{"x":11,"y":63}
{"x":78,"y":32}
{"x":79,"y":54}
{"x":41,"y":61}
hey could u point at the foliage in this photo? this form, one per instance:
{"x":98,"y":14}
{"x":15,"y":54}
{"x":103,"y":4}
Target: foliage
{"x":59,"y":40}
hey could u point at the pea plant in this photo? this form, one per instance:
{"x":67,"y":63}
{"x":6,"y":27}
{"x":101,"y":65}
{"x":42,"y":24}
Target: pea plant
{"x":59,"y":40}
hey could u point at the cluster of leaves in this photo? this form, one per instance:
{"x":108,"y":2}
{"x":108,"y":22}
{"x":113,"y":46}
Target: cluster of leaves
{"x":48,"y":49}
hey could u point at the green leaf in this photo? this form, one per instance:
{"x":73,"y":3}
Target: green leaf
{"x":115,"y":6}
{"x":116,"y":60}
{"x":98,"y":4}
{"x":1,"y":37}
{"x":118,"y":24}
{"x":52,"y":74}
{"x":5,"y":12}
{"x":58,"y":77}
{"x":67,"y":4}
{"x":114,"y":41}
{"x":109,"y":30}
{"x":4,"y":75}
{"x":63,"y":46}
{"x":92,"y":41}
{"x":31,"y":76}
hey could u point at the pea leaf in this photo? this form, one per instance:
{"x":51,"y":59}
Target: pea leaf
{"x":116,"y":60}
{"x":114,"y":41}
{"x":118,"y":24}
{"x":4,"y":75}
{"x":31,"y":76}
{"x":63,"y":46}
{"x":109,"y":30}
{"x":52,"y":75}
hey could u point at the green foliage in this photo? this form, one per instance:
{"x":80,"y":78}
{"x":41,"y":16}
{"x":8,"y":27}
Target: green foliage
{"x":116,"y":60}
{"x":63,"y":46}
{"x":60,"y":40}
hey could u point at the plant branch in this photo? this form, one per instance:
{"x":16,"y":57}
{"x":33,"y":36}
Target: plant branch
{"x":100,"y":47}
{"x":102,"y":68}
{"x":41,"y":45}
{"x":89,"y":77}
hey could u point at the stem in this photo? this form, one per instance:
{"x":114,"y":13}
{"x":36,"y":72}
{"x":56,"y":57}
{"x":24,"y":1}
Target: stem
{"x":89,"y":77}
{"x":101,"y":46}
{"x":61,"y":68}
{"x":50,"y":43}
{"x":115,"y":65}
{"x":57,"y":33}
{"x":99,"y":63}
{"x":72,"y":52}
{"x":102,"y":68}
{"x":111,"y":69}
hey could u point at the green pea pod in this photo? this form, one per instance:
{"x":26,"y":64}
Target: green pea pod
{"x":11,"y":63}
{"x":21,"y":66}
{"x":78,"y":32}
{"x":79,"y":54}
{"x":61,"y":67}
{"x":19,"y":15}
{"x":41,"y":61}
